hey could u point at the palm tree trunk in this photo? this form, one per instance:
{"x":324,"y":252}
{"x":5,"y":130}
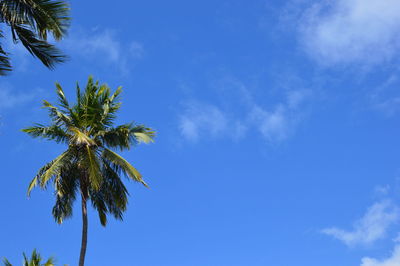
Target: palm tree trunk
{"x":84,"y":231}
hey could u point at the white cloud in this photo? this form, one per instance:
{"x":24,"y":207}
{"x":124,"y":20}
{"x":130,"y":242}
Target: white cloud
{"x":382,"y":190}
{"x":278,"y":123}
{"x":10,"y":98}
{"x":208,"y":121}
{"x":106,"y":46}
{"x":371,"y":227}
{"x":199,"y":119}
{"x":242,"y":114}
{"x":393,"y":260}
{"x":274,"y":125}
{"x":352,"y":31}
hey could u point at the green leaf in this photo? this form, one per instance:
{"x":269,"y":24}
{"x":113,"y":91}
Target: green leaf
{"x":41,"y":49}
{"x":125,"y":165}
{"x":54,"y":169}
{"x":95,"y":176}
{"x":143,"y":137}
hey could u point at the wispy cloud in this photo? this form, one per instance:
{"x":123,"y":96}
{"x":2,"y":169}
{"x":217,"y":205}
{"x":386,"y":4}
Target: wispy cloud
{"x":352,"y":31}
{"x":207,"y":121}
{"x":106,"y":46}
{"x":393,"y":260}
{"x":242,"y":114}
{"x":278,"y":123}
{"x":382,"y":190}
{"x":385,"y":98}
{"x":370,"y":228}
{"x":274,"y":125}
{"x":10,"y":98}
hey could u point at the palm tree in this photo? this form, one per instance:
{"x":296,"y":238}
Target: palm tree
{"x":35,"y":260}
{"x":89,"y":166}
{"x":30,"y":22}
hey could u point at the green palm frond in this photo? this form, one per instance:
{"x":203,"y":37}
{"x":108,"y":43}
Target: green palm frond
{"x":41,"y":15}
{"x":50,"y":170}
{"x":62,"y":208}
{"x":61,"y":98}
{"x":51,"y":133}
{"x":6,"y":262}
{"x":112,"y":197}
{"x":5,"y":65}
{"x":49,"y":262}
{"x":41,"y":49}
{"x":120,"y":163}
{"x":30,"y":22}
{"x":124,"y":136}
{"x":52,"y":16}
{"x":66,"y":185}
{"x":55,"y":168}
{"x":93,"y":166}
{"x":143,"y":134}
{"x":58,"y":116}
{"x":39,"y":175}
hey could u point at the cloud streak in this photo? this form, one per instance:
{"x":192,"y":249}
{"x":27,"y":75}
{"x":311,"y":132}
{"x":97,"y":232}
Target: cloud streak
{"x":370,"y":228}
{"x":203,"y":120}
{"x":9,"y":98}
{"x":106,"y":46}
{"x":234,"y":119}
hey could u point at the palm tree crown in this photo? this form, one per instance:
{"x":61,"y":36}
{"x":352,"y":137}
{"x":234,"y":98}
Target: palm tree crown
{"x":35,"y":260}
{"x":89,"y":165}
{"x":30,"y":22}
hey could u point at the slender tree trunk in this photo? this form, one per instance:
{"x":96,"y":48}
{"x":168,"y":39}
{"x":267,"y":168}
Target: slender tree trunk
{"x":84,"y":230}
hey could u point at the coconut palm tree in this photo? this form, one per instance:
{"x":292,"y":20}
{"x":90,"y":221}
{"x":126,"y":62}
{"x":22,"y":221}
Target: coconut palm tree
{"x":30,"y":22}
{"x":89,"y":167}
{"x":35,"y":260}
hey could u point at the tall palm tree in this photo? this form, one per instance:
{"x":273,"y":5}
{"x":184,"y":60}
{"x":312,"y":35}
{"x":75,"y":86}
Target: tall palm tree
{"x":30,"y":22}
{"x":35,"y":260}
{"x":89,"y":166}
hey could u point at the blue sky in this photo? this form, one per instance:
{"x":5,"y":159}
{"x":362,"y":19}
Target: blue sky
{"x":277,"y":144}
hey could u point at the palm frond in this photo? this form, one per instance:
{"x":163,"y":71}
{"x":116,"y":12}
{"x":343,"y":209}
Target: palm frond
{"x":57,"y":115}
{"x":38,"y":176}
{"x":124,"y":165}
{"x":40,"y":15}
{"x":53,"y":16}
{"x":50,"y":262}
{"x":53,"y":132}
{"x":41,"y":49}
{"x":7,"y":262}
{"x":112,"y":197}
{"x":54,"y":168}
{"x":93,"y":165}
{"x":62,"y":208}
{"x":5,"y":65}
{"x":62,"y":100}
{"x":143,"y":134}
{"x":124,"y":136}
{"x":66,"y":186}
{"x":26,"y":260}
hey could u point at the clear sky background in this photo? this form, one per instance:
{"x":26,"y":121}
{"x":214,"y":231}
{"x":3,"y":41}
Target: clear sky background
{"x":278,"y":134}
